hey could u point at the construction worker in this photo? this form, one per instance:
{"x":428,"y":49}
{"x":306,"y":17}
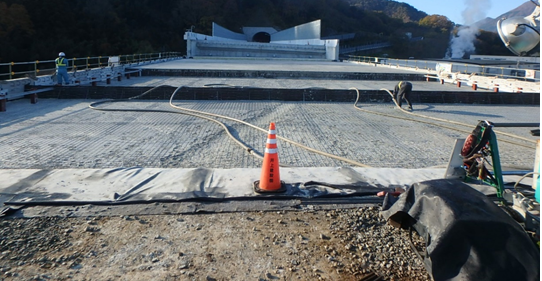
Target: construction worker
{"x":402,"y":91}
{"x":62,"y":69}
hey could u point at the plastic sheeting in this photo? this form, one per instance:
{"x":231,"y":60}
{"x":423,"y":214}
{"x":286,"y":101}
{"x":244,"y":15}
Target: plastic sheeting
{"x":125,"y":185}
{"x":468,"y":236}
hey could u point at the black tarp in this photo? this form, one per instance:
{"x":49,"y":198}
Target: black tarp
{"x":468,"y":237}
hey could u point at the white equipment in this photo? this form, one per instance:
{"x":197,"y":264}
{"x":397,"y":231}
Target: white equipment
{"x":520,"y":35}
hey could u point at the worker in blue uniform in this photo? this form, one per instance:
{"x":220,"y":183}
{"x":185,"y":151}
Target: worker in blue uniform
{"x":402,"y":91}
{"x":62,"y":69}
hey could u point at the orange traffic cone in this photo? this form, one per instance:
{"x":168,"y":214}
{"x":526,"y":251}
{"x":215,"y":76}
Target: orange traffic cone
{"x":270,"y":176}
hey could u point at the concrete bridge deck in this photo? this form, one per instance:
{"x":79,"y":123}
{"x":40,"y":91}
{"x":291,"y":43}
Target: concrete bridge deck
{"x":62,"y":134}
{"x":294,"y":80}
{"x":32,"y":134}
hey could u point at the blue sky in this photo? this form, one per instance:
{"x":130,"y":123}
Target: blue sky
{"x":453,"y":9}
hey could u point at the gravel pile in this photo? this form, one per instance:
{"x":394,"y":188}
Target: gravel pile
{"x":374,"y":246}
{"x":343,"y":244}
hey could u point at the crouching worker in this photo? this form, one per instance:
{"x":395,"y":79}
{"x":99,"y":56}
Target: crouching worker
{"x":402,"y":91}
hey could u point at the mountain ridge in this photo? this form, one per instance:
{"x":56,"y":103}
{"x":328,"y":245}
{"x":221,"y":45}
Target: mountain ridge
{"x":38,"y":30}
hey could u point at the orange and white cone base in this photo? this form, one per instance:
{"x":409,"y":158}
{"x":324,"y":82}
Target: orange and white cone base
{"x":270,"y":176}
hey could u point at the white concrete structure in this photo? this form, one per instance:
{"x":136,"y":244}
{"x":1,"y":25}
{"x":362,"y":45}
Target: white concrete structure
{"x":506,"y":58}
{"x":302,"y":41}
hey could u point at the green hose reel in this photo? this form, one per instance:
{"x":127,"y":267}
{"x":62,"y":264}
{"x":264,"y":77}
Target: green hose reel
{"x":481,"y":150}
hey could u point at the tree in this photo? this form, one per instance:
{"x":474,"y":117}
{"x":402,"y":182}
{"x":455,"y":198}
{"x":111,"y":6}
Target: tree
{"x":16,"y":29}
{"x":438,"y":22}
{"x":13,"y":19}
{"x":489,"y":43}
{"x":39,"y":29}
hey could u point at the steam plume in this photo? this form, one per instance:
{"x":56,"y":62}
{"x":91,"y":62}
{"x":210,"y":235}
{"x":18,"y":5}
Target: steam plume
{"x":463,"y":42}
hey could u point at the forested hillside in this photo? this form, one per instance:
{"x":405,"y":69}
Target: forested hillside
{"x":390,"y":8}
{"x":39,"y":29}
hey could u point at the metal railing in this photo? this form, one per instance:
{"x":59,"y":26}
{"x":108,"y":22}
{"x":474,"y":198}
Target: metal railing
{"x":463,"y":68}
{"x":346,"y":50}
{"x":14,"y":70}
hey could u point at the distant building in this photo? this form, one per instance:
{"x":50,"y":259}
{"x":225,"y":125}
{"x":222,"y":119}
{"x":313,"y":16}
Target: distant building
{"x":302,"y":41}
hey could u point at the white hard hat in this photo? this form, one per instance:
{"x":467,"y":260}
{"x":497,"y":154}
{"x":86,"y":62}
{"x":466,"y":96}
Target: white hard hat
{"x":61,"y":54}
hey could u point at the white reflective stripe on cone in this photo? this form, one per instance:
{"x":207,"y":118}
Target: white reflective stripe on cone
{"x":271,"y":150}
{"x":272,"y":132}
{"x":271,"y":141}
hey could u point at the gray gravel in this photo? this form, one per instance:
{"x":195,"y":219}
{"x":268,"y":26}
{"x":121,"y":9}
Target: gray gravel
{"x":343,"y":244}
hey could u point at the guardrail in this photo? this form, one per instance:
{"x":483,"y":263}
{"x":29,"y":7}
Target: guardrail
{"x":346,"y":50}
{"x":15,"y":70}
{"x":452,"y":67}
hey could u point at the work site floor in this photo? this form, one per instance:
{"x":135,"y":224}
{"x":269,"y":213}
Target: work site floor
{"x":339,"y":242}
{"x":59,"y":133}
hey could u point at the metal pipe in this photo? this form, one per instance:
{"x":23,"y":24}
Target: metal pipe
{"x":514,"y":173}
{"x":511,"y":125}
